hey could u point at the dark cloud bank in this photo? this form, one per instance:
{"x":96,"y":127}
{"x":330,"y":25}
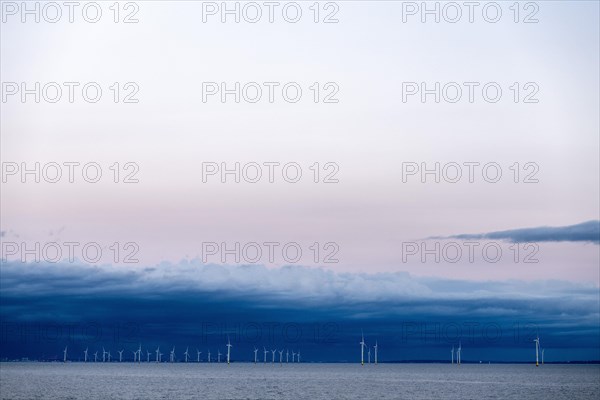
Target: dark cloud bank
{"x":585,"y":232}
{"x":47,"y":306}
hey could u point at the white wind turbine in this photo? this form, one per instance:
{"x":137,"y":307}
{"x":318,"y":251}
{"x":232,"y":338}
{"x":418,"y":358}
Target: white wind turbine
{"x":537,"y":349}
{"x":121,"y":355}
{"x":109,"y":356}
{"x":458,"y":353}
{"x":293,"y":356}
{"x":160,"y":357}
{"x":229,"y":345}
{"x":147,"y":356}
{"x":369,"y":354}
{"x":172,"y":355}
{"x":218,"y":355}
{"x":139,"y":351}
{"x":65,"y":354}
{"x":273,"y":359}
{"x":103,"y":355}
{"x":186,"y":354}
{"x":255,"y":354}
{"x":376,"y":352}
{"x":85,"y":353}
{"x":198,"y":352}
{"x":280,"y":357}
{"x":542,"y":356}
{"x":96,"y":356}
{"x":298,"y":355}
{"x":287,"y":356}
{"x":157,"y":353}
{"x":362,"y":349}
{"x":208,"y":355}
{"x":265,"y":351}
{"x":452,"y":356}
{"x":134,"y":355}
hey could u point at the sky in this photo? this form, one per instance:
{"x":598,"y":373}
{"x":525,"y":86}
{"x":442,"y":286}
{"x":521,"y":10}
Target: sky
{"x":335,"y":221}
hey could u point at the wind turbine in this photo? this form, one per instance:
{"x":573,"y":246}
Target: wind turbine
{"x":139,"y":351}
{"x":537,"y":349}
{"x":109,"y":356}
{"x":147,"y":356}
{"x":542,"y":356}
{"x":287,"y":356}
{"x":103,"y":355}
{"x":209,"y":356}
{"x":121,"y":355}
{"x":458,"y":353}
{"x":172,"y":355}
{"x":376,"y":352}
{"x":362,"y":349}
{"x":273,"y":359}
{"x":85,"y":352}
{"x":134,"y":355}
{"x":65,"y":354}
{"x":369,"y":355}
{"x":218,"y":355}
{"x":229,"y":345}
{"x":96,"y":356}
{"x":452,"y":355}
{"x":186,"y":354}
{"x":298,"y":355}
{"x":255,"y":354}
{"x":265,"y":354}
{"x":160,"y":357}
{"x":157,"y":353}
{"x":293,"y":355}
{"x":198,"y":352}
{"x":280,"y":357}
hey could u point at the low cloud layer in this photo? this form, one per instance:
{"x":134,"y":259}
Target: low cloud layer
{"x":584,"y":232}
{"x":191,"y":302}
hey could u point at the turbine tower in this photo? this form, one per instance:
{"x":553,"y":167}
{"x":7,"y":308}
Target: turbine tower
{"x":273,"y":359}
{"x":134,"y":355}
{"x":186,"y":354}
{"x":172,"y":355}
{"x":96,"y":356}
{"x":103,"y":355}
{"x":121,"y":355}
{"x":139,"y":351}
{"x":218,"y":355}
{"x":65,"y":354}
{"x":293,"y":356}
{"x":157,"y":353}
{"x":376,"y":352}
{"x":287,"y":356}
{"x":280,"y":357}
{"x":265,"y":354}
{"x":109,"y":356}
{"x":198,"y":352}
{"x":537,"y":349}
{"x":542,"y":356}
{"x":229,"y":345}
{"x":362,"y":349}
{"x":255,"y":354}
{"x":147,"y":356}
{"x":298,"y":355}
{"x":208,"y":355}
{"x":369,"y":355}
{"x":86,"y":352}
{"x":452,"y":355}
{"x":458,"y":353}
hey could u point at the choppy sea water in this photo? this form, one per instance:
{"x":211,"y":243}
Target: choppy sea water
{"x":294,"y":381}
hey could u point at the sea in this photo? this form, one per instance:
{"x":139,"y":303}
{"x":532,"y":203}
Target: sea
{"x":77,"y":380}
